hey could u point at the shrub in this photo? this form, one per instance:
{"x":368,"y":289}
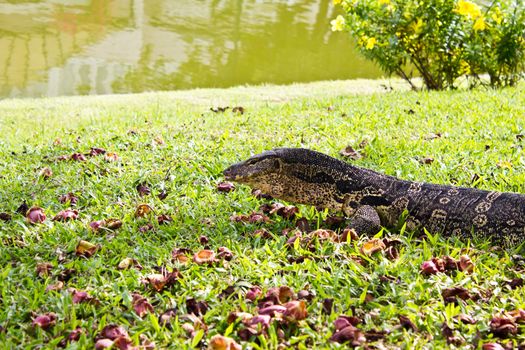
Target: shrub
{"x":441,"y":39}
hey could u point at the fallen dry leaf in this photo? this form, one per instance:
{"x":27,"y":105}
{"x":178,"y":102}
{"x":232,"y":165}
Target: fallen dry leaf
{"x":86,"y":249}
{"x":407,"y":324}
{"x":43,"y":269}
{"x":68,"y":198}
{"x":126,"y":263}
{"x":5,"y":216}
{"x":167,"y":316}
{"x":225,"y":187}
{"x":35,"y":215}
{"x":350,"y":334}
{"x":238,"y":109}
{"x":143,"y":189}
{"x":45,"y":321}
{"x":253,"y":293}
{"x":78,"y":157}
{"x":113,"y":331}
{"x":159,"y":281}
{"x":46,"y":173}
{"x":503,"y":326}
{"x":198,"y":308}
{"x":219,"y":342}
{"x":111,"y":157}
{"x":372,"y":246}
{"x":429,"y":268}
{"x":295,"y":311}
{"x":204,"y":256}
{"x":465,"y":264}
{"x":141,"y":305}
{"x":224,"y":253}
{"x":66,"y":215}
{"x":164,"y":219}
{"x":95,"y":151}
{"x":351,"y":153}
{"x":142,"y":210}
{"x":492,"y":346}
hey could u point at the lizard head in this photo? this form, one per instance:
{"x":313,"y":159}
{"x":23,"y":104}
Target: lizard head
{"x":293,"y":174}
{"x":256,"y":169}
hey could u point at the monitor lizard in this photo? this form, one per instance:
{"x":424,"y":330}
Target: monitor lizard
{"x":372,"y":199}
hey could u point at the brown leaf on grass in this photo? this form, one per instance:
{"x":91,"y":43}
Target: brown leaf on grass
{"x":432,"y":136}
{"x":503,"y":326}
{"x":219,"y":109}
{"x":146,"y":228}
{"x":78,"y":157}
{"x":224,"y":253}
{"x":126,"y":263}
{"x":164,"y":219}
{"x":426,"y":160}
{"x":73,"y":336}
{"x":204,"y":256}
{"x":259,"y":195}
{"x":348,"y":232}
{"x":305,"y":295}
{"x":35,"y":215}
{"x":429,"y":268}
{"x":143,"y":210}
{"x":219,"y":342}
{"x":111,"y":224}
{"x":141,"y":305}
{"x":465,"y":264}
{"x":167,"y":316}
{"x":450,"y":295}
{"x":66,"y":274}
{"x":344,"y":321}
{"x":5,"y":217}
{"x":466,"y":319}
{"x":45,"y":321}
{"x":350,"y":335}
{"x":303,"y":225}
{"x":111,"y":157}
{"x":372,"y":246}
{"x":407,"y":324}
{"x":95,"y":151}
{"x":112,"y":332}
{"x":66,"y":215}
{"x":226,"y":292}
{"x":295,"y":311}
{"x":103,"y":343}
{"x":515,"y":283}
{"x":55,"y":287}
{"x":68,"y":198}
{"x":351,"y":153}
{"x":162,"y":195}
{"x":22,"y":208}
{"x":198,"y":308}
{"x":86,"y":249}
{"x":225,"y":187}
{"x":46,"y":173}
{"x":492,"y":346}
{"x":238,"y":109}
{"x":143,"y":189}
{"x":158,"y":281}
{"x":449,"y":336}
{"x":287,"y":212}
{"x":253,"y":293}
{"x":79,"y":296}
{"x":280,"y":294}
{"x":43,"y":269}
{"x":328,"y":306}
{"x":180,"y":255}
{"x":272,"y":310}
{"x":239,"y":315}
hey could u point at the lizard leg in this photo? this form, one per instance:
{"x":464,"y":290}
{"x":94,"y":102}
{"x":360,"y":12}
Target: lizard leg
{"x":365,"y":220}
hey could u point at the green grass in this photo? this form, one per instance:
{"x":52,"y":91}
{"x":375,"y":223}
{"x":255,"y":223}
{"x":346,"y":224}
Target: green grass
{"x":478,"y":131}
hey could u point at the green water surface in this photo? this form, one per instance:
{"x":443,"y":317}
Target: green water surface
{"x":77,"y":47}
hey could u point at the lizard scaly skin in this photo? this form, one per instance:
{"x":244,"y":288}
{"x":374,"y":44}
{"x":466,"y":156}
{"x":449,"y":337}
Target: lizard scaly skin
{"x":303,"y":176}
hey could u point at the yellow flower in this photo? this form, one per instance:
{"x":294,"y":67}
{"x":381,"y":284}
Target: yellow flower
{"x":468,"y":9}
{"x":337,"y":2}
{"x":417,"y":26}
{"x":464,"y":67}
{"x":338,"y":24}
{"x":384,"y":2}
{"x":497,"y":16}
{"x":480,"y":24}
{"x":370,"y":43}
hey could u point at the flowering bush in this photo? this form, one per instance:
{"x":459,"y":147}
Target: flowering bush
{"x":441,"y":39}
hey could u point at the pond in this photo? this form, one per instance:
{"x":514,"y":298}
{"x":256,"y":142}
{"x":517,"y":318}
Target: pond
{"x":80,"y":47}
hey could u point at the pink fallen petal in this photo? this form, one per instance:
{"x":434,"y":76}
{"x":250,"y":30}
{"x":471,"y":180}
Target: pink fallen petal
{"x":35,"y":215}
{"x":272,"y":310}
{"x":45,"y":321}
{"x":253,"y":293}
{"x":103,"y":343}
{"x":429,"y":268}
{"x":66,"y":215}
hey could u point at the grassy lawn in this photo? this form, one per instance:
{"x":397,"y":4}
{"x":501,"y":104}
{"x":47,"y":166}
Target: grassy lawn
{"x":172,"y":143}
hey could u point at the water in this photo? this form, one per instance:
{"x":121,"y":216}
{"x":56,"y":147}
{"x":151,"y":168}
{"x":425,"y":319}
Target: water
{"x":79,"y":47}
